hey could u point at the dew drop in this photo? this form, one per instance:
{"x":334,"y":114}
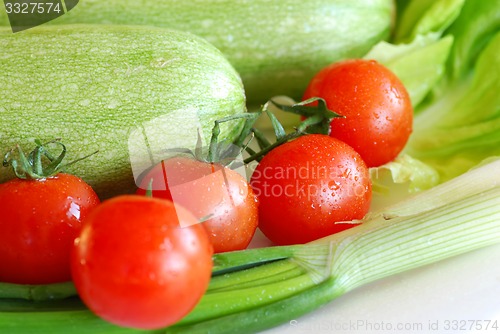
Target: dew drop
{"x":347,"y":173}
{"x":333,"y":185}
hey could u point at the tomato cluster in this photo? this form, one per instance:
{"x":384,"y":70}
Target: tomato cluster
{"x":318,"y":185}
{"x":135,"y":261}
{"x":145,"y":260}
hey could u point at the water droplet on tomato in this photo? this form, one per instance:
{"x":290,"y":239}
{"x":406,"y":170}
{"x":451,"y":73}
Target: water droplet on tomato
{"x":73,"y":211}
{"x":395,"y":92}
{"x":333,"y":185}
{"x":347,"y":173}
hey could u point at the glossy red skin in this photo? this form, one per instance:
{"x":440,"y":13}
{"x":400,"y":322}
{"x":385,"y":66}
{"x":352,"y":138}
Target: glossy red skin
{"x":39,"y":220}
{"x":307,"y":185}
{"x":133,"y":265}
{"x":377,"y":108}
{"x":208,"y":190}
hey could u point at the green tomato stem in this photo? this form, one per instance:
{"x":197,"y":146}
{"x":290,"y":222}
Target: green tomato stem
{"x":32,"y":166}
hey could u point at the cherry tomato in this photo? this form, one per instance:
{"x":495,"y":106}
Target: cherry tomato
{"x":307,"y":185}
{"x":135,"y":265}
{"x":377,"y":108}
{"x":39,"y":221}
{"x":213,"y":193}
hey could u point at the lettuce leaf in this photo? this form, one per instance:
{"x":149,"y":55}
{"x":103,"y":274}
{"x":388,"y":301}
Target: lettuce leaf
{"x":424,"y":16}
{"x":419,"y":64}
{"x":463,"y":127}
{"x":400,"y":178}
{"x":404,"y":169}
{"x":478,"y":22}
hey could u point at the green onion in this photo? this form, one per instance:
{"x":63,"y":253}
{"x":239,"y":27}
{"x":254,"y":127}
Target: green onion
{"x":60,"y":321}
{"x":256,"y":289}
{"x":37,"y":292}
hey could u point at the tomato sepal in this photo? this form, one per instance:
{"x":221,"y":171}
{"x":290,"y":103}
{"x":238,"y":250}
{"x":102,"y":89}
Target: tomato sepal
{"x":39,"y":163}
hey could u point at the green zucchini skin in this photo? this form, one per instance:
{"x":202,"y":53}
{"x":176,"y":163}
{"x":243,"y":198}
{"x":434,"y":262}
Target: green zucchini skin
{"x":275,"y":45}
{"x":128,"y":92}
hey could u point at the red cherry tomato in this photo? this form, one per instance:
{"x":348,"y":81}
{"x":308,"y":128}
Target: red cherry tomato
{"x":213,"y":193}
{"x":135,"y":266}
{"x":377,"y":108}
{"x":39,"y":220}
{"x":307,"y":185}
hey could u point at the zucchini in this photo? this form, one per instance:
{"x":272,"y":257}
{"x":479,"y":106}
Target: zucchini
{"x":276,"y":46}
{"x":129,"y":92}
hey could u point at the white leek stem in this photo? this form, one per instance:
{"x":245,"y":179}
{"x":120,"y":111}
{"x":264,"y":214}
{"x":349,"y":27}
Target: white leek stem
{"x":453,"y":218}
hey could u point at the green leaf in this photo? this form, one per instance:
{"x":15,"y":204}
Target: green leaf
{"x":419,"y":65}
{"x":405,"y":169}
{"x":421,"y":17}
{"x":477,"y":24}
{"x":453,"y":80}
{"x":399,"y":179}
{"x":462,"y":128}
